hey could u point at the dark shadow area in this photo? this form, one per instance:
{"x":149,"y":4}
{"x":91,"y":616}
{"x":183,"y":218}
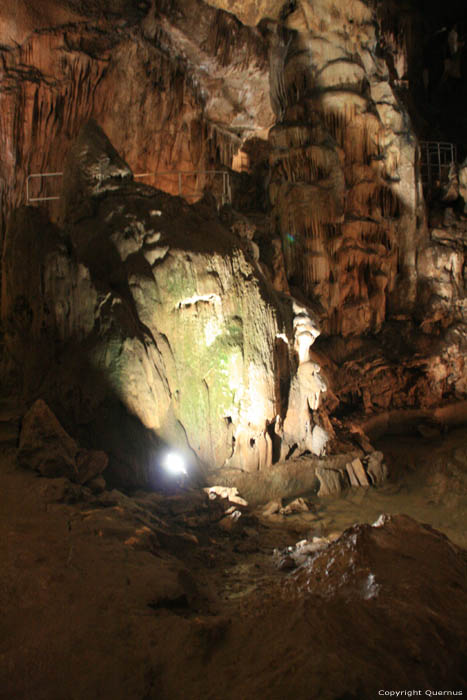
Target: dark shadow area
{"x":69,"y":374}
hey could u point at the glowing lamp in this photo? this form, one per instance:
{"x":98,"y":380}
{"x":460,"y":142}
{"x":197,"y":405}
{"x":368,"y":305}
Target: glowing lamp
{"x":174,"y":464}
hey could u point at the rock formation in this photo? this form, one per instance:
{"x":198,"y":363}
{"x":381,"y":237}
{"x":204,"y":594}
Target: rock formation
{"x":161,"y":320}
{"x":170,"y":98}
{"x":343,"y":180}
{"x":47,"y":448}
{"x":143,"y":300}
{"x":232,"y":261}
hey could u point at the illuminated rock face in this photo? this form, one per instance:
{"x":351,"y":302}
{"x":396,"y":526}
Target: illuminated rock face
{"x":302,"y":429}
{"x":343,"y":181}
{"x":157,"y":307}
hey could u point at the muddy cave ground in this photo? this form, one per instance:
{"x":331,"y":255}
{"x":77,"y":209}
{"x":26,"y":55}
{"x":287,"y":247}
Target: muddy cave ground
{"x":163,"y":595}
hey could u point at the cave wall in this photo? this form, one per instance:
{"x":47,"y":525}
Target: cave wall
{"x":176,"y":319}
{"x":170,"y":98}
{"x":344,"y":178}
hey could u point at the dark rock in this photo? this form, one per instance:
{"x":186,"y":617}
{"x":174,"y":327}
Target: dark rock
{"x":286,"y":564}
{"x":90,"y":464}
{"x":232,"y":522}
{"x":60,"y":490}
{"x":429,"y":431}
{"x":97,"y":485}
{"x":45,"y":446}
{"x":247,"y":546}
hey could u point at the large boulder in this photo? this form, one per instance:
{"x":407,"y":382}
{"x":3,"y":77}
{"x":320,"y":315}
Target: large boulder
{"x":158,"y":326}
{"x":44,"y":445}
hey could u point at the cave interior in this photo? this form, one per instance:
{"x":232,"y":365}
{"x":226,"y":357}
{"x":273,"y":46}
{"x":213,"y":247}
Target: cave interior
{"x":233,"y":335}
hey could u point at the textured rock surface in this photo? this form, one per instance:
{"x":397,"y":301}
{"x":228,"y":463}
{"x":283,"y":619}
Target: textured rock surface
{"x":331,"y":211}
{"x":169,"y":97}
{"x":343,"y":183}
{"x":46,"y":447}
{"x":156,"y":307}
{"x":136,"y":589}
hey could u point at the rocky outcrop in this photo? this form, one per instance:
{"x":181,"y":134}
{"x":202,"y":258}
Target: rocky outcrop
{"x":143,"y":292}
{"x":302,"y":427}
{"x":145,"y":302}
{"x":46,"y":447}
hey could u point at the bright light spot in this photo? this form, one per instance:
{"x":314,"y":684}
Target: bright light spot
{"x":174,"y":464}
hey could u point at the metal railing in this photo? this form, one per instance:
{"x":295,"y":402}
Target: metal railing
{"x":226,"y":195}
{"x":436,"y":161}
{"x":40,"y":199}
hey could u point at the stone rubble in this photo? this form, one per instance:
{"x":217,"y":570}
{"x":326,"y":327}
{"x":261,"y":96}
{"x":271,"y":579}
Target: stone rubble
{"x":230,"y":493}
{"x":294,"y":556}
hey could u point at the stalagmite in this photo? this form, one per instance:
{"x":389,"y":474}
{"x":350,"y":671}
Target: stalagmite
{"x":300,"y":427}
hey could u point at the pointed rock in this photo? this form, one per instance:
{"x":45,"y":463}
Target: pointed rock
{"x":44,"y":445}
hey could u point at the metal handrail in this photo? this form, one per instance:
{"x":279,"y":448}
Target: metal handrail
{"x":226,"y":186}
{"x":40,"y":199}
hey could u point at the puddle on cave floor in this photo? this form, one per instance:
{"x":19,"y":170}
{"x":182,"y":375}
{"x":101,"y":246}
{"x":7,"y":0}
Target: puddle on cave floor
{"x":427,"y":480}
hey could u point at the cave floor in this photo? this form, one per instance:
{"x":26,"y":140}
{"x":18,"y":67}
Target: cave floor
{"x":148,"y":596}
{"x":427,"y":480}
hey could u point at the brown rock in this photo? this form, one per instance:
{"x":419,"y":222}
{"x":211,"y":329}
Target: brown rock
{"x":230,"y":493}
{"x":360,"y":473}
{"x":90,"y":464}
{"x":97,"y":485}
{"x":272,"y":508}
{"x":231,"y":522}
{"x":299,"y":505}
{"x":353,"y":479}
{"x":329,"y":481}
{"x":247,"y":546}
{"x":376,"y":468}
{"x":286,"y":564}
{"x":60,"y":490}
{"x":44,"y":445}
